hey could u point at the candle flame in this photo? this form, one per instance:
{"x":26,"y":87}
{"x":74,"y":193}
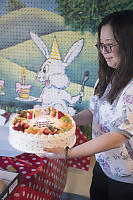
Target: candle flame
{"x":23,"y":71}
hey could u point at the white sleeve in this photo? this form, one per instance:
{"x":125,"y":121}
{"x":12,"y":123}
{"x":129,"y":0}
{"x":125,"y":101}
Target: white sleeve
{"x":125,"y":107}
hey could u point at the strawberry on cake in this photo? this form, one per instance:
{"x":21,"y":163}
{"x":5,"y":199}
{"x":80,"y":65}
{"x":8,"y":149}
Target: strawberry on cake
{"x":32,"y":130}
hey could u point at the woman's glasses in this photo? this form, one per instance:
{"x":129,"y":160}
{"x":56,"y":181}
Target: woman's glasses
{"x":107,"y":47}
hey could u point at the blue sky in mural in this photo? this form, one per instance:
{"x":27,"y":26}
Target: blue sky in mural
{"x":44,"y":4}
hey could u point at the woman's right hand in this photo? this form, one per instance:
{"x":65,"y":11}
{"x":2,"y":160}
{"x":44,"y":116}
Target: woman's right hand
{"x":53,"y":153}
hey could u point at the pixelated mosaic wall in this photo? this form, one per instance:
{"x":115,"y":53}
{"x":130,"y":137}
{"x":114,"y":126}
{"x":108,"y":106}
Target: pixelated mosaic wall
{"x":43,"y":59}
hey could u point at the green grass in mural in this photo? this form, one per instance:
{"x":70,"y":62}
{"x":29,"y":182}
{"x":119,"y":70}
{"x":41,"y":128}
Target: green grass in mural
{"x":20,"y":22}
{"x":13,"y":58}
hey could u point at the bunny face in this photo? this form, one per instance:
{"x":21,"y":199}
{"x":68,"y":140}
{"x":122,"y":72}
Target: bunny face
{"x":50,"y":71}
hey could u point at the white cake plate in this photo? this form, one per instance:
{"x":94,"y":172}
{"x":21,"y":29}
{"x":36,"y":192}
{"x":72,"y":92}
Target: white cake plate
{"x":31,"y":98}
{"x":5,"y":148}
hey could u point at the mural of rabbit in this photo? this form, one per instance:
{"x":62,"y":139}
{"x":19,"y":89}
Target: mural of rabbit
{"x":52,"y":75}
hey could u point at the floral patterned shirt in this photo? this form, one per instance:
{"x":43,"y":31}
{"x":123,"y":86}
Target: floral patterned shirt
{"x":116,"y":163}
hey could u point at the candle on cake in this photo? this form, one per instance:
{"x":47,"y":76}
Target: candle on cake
{"x":33,"y":113}
{"x":57,"y":113}
{"x":43,"y":101}
{"x":51,"y":111}
{"x":1,"y":85}
{"x":23,"y":75}
{"x":27,"y":117}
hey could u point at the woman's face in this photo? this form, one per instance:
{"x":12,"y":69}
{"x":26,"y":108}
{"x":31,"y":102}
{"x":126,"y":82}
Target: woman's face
{"x":109,"y":46}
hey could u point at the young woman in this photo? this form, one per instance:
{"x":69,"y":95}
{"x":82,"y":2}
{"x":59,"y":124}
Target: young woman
{"x":110,"y":112}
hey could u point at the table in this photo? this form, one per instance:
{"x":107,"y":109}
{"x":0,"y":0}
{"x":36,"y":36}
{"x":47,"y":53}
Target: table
{"x":41,"y":179}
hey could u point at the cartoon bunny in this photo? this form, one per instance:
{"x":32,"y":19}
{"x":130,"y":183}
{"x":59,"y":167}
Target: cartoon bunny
{"x":52,"y":75}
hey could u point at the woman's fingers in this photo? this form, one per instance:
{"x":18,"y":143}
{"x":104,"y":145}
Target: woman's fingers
{"x":53,"y":153}
{"x":55,"y":150}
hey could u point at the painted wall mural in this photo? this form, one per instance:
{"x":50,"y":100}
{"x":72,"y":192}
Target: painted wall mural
{"x":48,"y":54}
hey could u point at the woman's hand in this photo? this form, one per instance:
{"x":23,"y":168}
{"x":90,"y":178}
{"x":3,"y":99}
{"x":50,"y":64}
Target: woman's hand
{"x":53,"y":153}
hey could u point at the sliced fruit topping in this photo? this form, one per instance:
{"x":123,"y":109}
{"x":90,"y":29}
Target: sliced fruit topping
{"x":47,"y":131}
{"x":29,"y":115}
{"x":22,"y":113}
{"x":60,"y":114}
{"x":66,"y":123}
{"x":53,"y":114}
{"x":66,"y":119}
{"x":32,"y":130}
{"x":17,"y":126}
{"x":25,"y":126}
{"x":50,"y":130}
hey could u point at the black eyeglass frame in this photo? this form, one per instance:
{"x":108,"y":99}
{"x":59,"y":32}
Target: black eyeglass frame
{"x":107,"y":47}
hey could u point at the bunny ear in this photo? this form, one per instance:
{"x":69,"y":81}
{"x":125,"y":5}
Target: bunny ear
{"x":40,"y":44}
{"x":74,"y":52}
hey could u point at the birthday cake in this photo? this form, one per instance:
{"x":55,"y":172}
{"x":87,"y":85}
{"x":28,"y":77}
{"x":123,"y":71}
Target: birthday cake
{"x":32,"y":130}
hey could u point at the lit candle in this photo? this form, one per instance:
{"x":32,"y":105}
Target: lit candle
{"x":43,"y":101}
{"x":51,"y":111}
{"x":33,"y":113}
{"x":23,"y":75}
{"x":27,"y":117}
{"x":57,"y":114}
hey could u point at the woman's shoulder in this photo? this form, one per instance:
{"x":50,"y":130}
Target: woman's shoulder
{"x":126,"y":96}
{"x":128,"y":88}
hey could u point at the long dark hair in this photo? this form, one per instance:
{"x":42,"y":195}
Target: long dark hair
{"x":122,"y":26}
